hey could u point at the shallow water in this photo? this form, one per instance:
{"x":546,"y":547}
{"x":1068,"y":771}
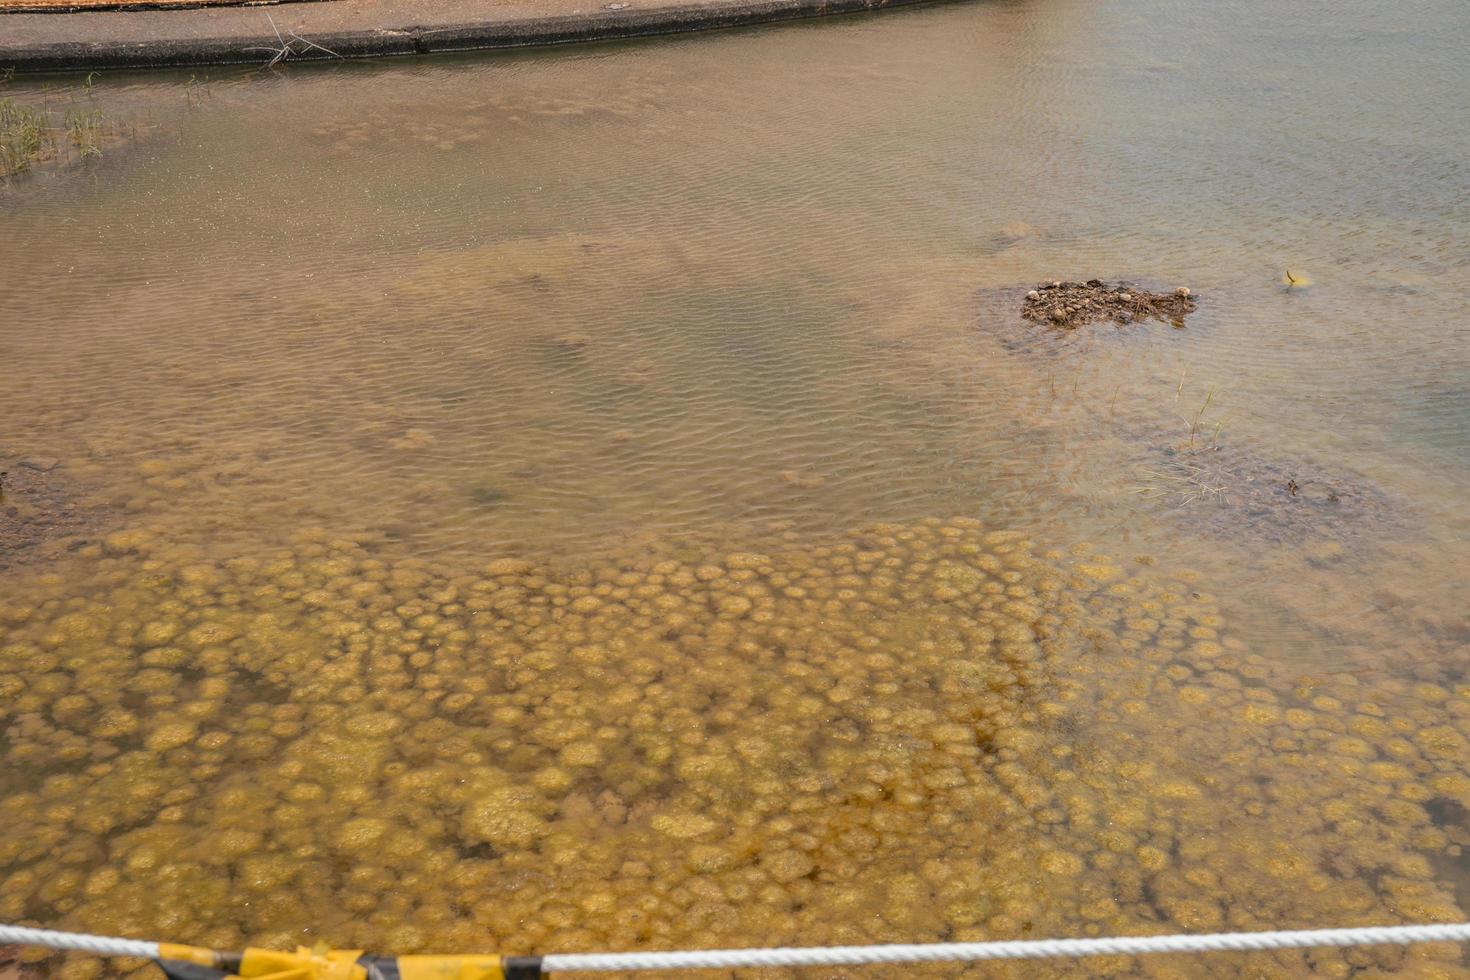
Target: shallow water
{"x":607,"y":498}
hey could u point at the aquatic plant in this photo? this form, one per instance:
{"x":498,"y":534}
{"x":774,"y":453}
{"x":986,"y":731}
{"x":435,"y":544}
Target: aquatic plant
{"x":29,"y":135}
{"x":25,"y":137}
{"x":1199,"y":416}
{"x":84,"y":127}
{"x":196,"y":91}
{"x":1196,"y":473}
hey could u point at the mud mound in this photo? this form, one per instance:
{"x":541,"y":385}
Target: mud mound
{"x":1073,"y":304}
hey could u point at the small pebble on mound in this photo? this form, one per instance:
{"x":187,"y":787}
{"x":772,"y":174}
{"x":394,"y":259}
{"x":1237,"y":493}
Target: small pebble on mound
{"x":1072,"y":304}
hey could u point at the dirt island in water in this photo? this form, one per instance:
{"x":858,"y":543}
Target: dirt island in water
{"x":1072,"y":304}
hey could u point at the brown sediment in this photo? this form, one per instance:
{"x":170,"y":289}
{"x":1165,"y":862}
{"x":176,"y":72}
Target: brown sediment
{"x":39,"y":506}
{"x":1073,"y":304}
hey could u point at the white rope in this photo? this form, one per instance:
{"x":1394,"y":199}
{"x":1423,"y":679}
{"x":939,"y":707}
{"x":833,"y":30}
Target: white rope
{"x":1028,"y":949}
{"x":98,"y":945}
{"x":848,"y":955}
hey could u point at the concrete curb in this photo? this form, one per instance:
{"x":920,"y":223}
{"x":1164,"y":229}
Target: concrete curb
{"x":84,"y":52}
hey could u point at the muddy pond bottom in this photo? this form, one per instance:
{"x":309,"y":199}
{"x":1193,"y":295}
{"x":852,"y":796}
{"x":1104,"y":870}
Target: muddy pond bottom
{"x":614,"y":499}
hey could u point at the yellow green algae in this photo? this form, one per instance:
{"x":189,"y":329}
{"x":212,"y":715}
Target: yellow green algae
{"x":930,"y":731}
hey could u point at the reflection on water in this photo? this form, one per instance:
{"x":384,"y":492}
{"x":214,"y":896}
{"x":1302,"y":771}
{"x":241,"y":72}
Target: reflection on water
{"x":530,"y":477}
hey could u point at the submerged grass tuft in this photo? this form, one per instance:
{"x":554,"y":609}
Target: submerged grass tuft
{"x":195,"y":91}
{"x":25,"y":137}
{"x":1197,"y":472}
{"x":84,"y":128}
{"x":34,"y":134}
{"x":1199,"y":416}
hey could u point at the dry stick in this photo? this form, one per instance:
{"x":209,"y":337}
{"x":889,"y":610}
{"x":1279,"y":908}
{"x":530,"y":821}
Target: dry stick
{"x":280,"y":52}
{"x":285,"y":50}
{"x":313,"y":44}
